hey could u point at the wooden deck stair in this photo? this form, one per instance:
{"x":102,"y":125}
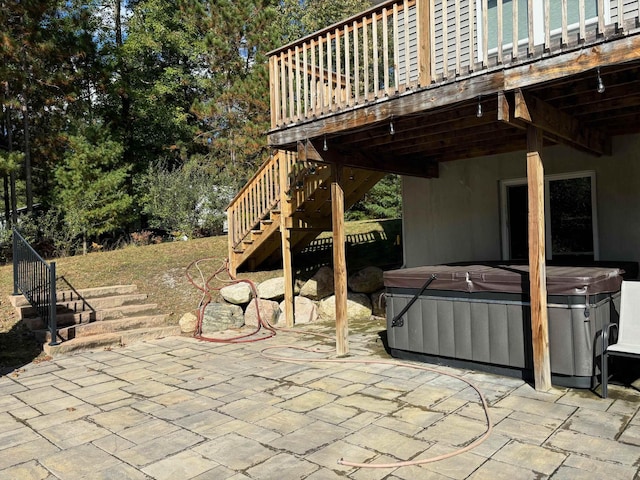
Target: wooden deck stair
{"x":97,"y":318}
{"x":256,"y":216}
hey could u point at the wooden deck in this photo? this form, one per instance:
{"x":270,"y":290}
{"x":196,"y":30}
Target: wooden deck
{"x":410,"y":84}
{"x":346,"y":85}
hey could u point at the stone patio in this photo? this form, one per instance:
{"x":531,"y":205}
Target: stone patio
{"x":178,"y":408}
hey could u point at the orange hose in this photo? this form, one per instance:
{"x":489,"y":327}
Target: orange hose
{"x":207,"y":289}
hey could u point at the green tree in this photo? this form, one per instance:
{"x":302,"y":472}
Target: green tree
{"x":299,"y":18}
{"x":44,"y":45}
{"x":384,"y":200}
{"x":90,"y":185}
{"x":184,"y":199}
{"x":233,"y":110}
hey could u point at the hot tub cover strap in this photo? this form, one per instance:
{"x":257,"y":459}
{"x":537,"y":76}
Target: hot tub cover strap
{"x":398,"y":321}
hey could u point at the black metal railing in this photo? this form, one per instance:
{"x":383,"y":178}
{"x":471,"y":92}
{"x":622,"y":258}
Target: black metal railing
{"x":36,"y":280}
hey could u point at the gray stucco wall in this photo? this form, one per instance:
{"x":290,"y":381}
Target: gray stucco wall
{"x":457,"y":217}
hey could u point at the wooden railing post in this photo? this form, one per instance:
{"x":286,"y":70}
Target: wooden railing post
{"x":424,"y":41}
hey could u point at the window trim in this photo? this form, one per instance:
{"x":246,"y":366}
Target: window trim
{"x":504,"y":211}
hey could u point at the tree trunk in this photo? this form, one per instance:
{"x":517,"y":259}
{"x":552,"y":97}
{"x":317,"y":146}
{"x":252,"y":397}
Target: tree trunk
{"x":27,"y":139}
{"x":7,"y":203}
{"x":12,"y":176}
{"x":27,"y":155}
{"x":118,"y":22}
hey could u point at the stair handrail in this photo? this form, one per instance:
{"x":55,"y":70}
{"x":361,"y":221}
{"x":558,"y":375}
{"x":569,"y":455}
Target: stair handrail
{"x":34,"y":278}
{"x":260,"y":195}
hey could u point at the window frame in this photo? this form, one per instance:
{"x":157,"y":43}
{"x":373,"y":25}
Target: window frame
{"x":504,"y":211}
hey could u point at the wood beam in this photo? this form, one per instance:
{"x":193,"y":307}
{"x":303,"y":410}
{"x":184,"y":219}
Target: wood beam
{"x":395,"y":106}
{"x":286,"y":220}
{"x":623,"y":50}
{"x":533,"y":111}
{"x":339,"y":263}
{"x":417,"y":128}
{"x":413,"y":166}
{"x":537,"y":265}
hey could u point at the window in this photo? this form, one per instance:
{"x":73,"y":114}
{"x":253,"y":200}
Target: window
{"x":555,"y":17}
{"x":571,"y":227}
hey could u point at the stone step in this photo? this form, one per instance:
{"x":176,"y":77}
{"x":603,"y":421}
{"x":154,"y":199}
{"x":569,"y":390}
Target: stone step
{"x":87,"y":293}
{"x":88,"y":316}
{"x":99,"y":303}
{"x":110,"y":340}
{"x":103,"y":327}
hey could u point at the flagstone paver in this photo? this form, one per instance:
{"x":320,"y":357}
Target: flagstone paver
{"x":282,"y":464}
{"x":532,"y":457}
{"x":176,"y":408}
{"x":595,"y":447}
{"x":458,"y":467}
{"x":184,"y":465}
{"x":496,"y":470}
{"x":388,"y":442}
{"x":234,"y":451}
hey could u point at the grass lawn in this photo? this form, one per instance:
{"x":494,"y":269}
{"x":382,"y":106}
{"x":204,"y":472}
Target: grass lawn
{"x":159,"y":271}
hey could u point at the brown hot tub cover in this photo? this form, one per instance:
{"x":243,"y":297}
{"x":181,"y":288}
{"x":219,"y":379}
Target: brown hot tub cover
{"x":561,"y":280}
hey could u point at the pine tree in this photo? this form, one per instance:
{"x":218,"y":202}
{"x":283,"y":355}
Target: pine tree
{"x":90,"y":185}
{"x":234,"y":108}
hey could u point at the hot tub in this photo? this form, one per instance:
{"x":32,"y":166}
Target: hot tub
{"x":478,"y":316}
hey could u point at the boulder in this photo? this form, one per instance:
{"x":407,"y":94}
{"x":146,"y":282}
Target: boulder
{"x":379,"y":303}
{"x":188,"y":323}
{"x":272,"y":289}
{"x":221,"y":316}
{"x":358,"y":307}
{"x":238,"y":293}
{"x":320,"y":285}
{"x":269,"y":311}
{"x":306,"y":311}
{"x":367,"y":280}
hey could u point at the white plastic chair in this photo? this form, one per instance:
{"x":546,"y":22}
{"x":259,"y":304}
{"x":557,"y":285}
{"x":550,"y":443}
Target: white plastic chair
{"x":628,"y":328}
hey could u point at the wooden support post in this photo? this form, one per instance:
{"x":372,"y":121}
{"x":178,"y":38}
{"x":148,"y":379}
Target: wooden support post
{"x":339,"y":262}
{"x":230,"y":234}
{"x":286,"y":219}
{"x":537,"y":266}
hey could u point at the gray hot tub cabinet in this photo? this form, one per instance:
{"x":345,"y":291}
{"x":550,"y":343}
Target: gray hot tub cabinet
{"x":478,"y":316}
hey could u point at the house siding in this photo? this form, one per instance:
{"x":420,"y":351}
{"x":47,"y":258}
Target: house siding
{"x":457,"y":217}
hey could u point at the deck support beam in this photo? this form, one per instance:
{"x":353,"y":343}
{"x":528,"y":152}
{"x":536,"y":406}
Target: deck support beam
{"x":339,"y":262}
{"x":533,"y":111}
{"x":286,"y":220}
{"x":537,"y":263}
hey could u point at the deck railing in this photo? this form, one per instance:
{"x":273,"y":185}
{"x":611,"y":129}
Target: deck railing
{"x":262,"y":193}
{"x":36,"y":280}
{"x":259,"y":196}
{"x":404,"y":44}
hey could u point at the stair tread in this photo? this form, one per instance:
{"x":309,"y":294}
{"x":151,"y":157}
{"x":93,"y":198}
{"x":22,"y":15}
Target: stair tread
{"x":110,"y":339}
{"x":70,"y":319}
{"x":117,"y":325}
{"x":87,"y":293}
{"x":115,"y":321}
{"x":100,"y":303}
